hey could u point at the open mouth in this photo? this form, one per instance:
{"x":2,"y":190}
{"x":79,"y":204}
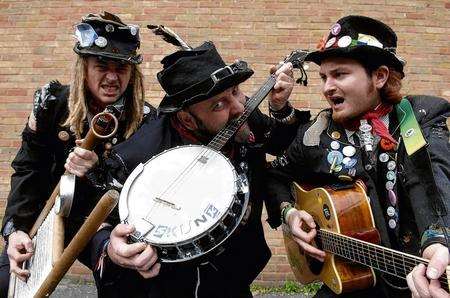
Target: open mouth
{"x":110,"y":90}
{"x":336,"y":101}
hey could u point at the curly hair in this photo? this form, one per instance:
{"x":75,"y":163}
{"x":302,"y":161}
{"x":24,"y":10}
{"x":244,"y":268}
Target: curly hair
{"x":390,"y":92}
{"x":78,"y":106}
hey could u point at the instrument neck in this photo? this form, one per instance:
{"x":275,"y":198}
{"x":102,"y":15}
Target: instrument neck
{"x":380,"y":258}
{"x":232,"y":127}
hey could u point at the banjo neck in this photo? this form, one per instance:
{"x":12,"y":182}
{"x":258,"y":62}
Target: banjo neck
{"x":232,"y":127}
{"x":223,"y":136}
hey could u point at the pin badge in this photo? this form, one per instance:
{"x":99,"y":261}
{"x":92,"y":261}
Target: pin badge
{"x":335,"y":29}
{"x":349,"y":151}
{"x":368,"y":167}
{"x":337,"y":168}
{"x":349,"y":162}
{"x":63,"y":135}
{"x":336,"y":157}
{"x":391,"y":165}
{"x":101,"y":42}
{"x":335,"y":145}
{"x":352,"y":172}
{"x":109,"y":28}
{"x":114,"y":141}
{"x":390,"y":211}
{"x":330,"y":42}
{"x":146,"y":110}
{"x":392,"y":197}
{"x":345,"y":178}
{"x":383,"y":157}
{"x":389,"y":185}
{"x":390,"y":175}
{"x":344,"y":41}
{"x":387,"y":145}
{"x":365,"y":127}
{"x":336,"y":135}
{"x":133,"y":29}
{"x":392,"y":223}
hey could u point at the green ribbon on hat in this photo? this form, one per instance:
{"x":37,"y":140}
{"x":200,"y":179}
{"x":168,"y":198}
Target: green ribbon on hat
{"x":409,"y":127}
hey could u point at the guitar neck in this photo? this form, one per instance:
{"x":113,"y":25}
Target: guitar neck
{"x":380,"y":258}
{"x":232,"y":127}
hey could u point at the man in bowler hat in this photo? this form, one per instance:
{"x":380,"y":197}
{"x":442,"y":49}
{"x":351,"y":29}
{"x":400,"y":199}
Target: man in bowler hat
{"x":361,"y":137}
{"x":202,"y":95}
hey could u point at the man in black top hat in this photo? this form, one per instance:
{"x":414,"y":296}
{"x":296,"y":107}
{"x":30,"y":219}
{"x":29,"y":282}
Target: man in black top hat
{"x":106,"y":74}
{"x":371,"y":134}
{"x":202,"y":95}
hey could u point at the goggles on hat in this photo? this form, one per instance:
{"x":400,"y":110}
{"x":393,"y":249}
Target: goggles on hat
{"x":85,"y":34}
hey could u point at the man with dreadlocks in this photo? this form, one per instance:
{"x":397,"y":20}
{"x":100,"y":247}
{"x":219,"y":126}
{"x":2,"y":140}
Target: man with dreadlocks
{"x":106,"y":73}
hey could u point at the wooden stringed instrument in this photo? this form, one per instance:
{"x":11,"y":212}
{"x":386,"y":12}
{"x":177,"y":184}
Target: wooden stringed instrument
{"x":348,"y":235}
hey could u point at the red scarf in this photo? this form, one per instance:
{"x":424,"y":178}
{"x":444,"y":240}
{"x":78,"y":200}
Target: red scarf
{"x":373,"y":117}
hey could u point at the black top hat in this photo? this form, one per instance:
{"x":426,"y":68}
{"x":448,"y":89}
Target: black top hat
{"x":191,"y":76}
{"x":362,"y":38}
{"x":105,"y":35}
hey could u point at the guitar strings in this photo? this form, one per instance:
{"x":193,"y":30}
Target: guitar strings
{"x":346,"y":254}
{"x":339,"y":244}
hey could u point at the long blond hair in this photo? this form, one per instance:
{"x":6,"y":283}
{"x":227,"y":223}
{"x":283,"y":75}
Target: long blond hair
{"x":78,"y":107}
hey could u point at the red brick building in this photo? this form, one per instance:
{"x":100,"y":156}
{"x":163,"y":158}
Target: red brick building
{"x":36,"y":47}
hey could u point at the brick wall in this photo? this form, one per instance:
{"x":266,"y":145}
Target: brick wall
{"x":36,"y":46}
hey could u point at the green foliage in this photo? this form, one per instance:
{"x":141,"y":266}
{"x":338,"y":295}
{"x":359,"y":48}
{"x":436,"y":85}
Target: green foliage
{"x":289,"y":287}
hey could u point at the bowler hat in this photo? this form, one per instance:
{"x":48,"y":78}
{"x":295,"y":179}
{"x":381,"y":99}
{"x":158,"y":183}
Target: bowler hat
{"x":105,"y":35}
{"x":191,"y":76}
{"x":365,"y":39}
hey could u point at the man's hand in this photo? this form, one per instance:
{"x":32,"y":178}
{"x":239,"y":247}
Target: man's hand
{"x":423,"y":280}
{"x":80,"y":160}
{"x":299,"y":221}
{"x":139,"y":256}
{"x":20,"y":249}
{"x":283,"y":86}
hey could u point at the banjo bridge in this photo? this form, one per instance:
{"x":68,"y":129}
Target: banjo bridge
{"x":167,"y":203}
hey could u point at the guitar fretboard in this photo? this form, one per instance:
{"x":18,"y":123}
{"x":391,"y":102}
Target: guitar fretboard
{"x":380,"y":258}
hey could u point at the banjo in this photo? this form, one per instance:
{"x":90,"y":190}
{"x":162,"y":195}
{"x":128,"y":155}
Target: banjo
{"x":169,"y":210}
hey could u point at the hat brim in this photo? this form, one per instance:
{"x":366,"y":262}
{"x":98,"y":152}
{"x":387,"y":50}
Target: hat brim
{"x":170,"y":105}
{"x":130,"y":59}
{"x":364,"y":53}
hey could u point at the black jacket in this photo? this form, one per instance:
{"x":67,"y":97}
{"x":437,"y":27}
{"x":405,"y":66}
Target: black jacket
{"x":245,"y":253}
{"x":39,"y":164}
{"x":304,"y":163}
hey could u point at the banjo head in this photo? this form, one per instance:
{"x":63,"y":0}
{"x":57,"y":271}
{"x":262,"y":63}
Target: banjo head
{"x":183,"y":201}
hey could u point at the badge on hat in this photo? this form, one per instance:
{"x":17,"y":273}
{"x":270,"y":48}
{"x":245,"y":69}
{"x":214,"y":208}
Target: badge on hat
{"x":101,"y":42}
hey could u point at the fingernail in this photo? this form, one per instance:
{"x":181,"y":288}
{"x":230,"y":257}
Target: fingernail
{"x":432,"y":273}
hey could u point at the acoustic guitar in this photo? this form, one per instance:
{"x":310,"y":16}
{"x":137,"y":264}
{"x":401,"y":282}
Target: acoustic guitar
{"x":346,"y":232}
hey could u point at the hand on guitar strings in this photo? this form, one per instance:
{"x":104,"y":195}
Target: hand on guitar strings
{"x":423,"y":280}
{"x":283,"y":87}
{"x":20,"y":249}
{"x":139,"y":256}
{"x":303,"y":229}
{"x":80,"y":160}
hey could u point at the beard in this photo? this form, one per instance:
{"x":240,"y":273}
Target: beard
{"x":205,"y":135}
